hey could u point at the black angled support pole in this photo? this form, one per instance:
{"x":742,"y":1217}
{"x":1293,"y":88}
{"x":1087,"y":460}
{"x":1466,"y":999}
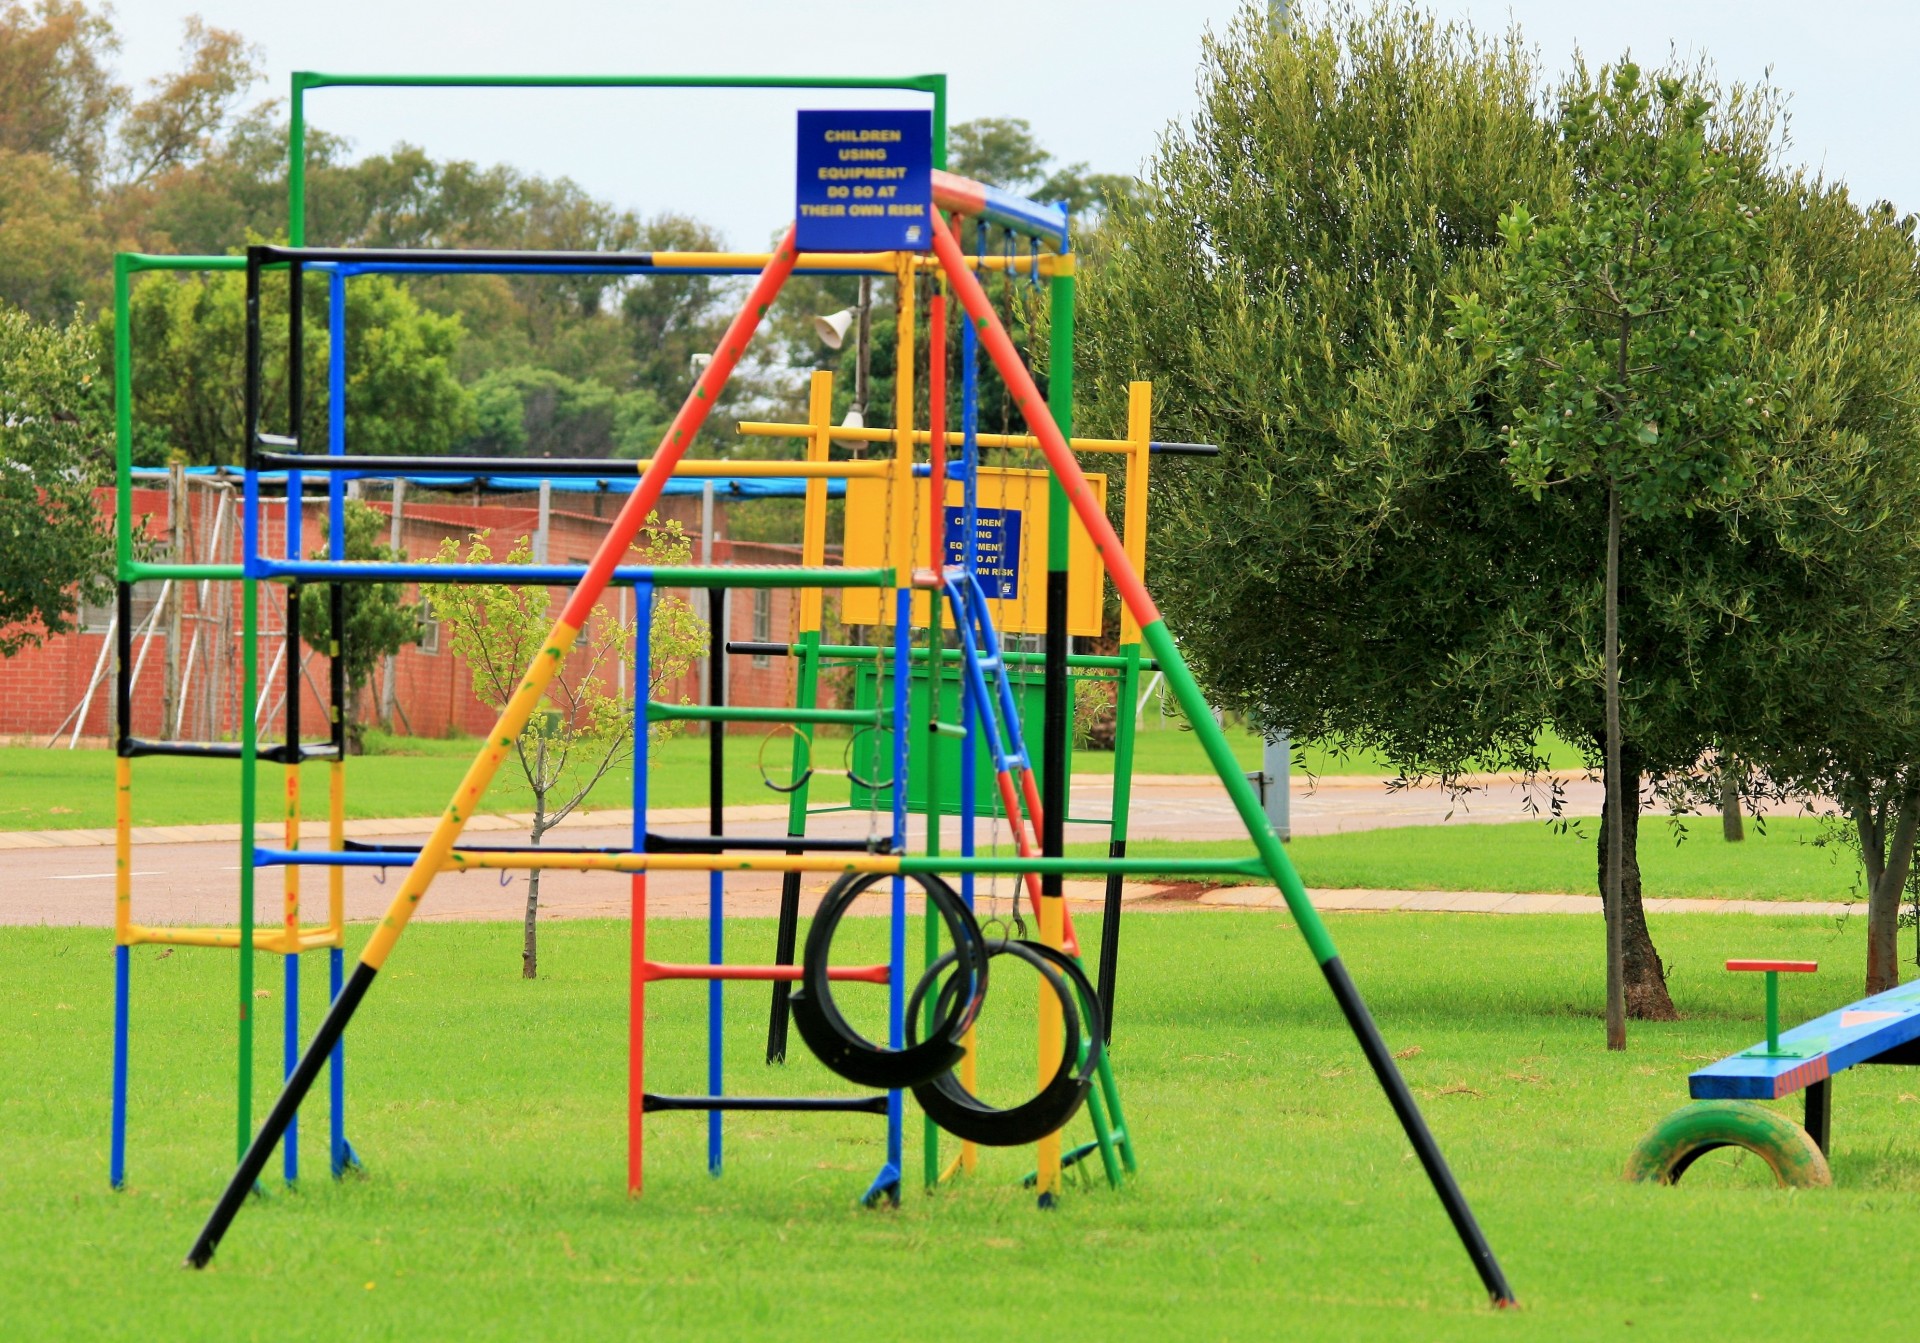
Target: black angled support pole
{"x":1415,"y":1125}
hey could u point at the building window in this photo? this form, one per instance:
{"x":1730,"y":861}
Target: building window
{"x":429,"y":627}
{"x":762,"y":623}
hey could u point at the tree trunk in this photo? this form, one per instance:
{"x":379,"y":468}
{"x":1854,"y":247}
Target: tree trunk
{"x":529,"y":946}
{"x":1883,"y":895}
{"x":1611,"y":837}
{"x":1733,"y":827}
{"x":1643,"y":976}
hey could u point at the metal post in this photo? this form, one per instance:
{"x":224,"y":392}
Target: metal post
{"x":544,"y":531}
{"x":1276,"y":766}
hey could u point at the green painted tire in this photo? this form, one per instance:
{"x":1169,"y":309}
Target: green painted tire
{"x":1693,"y":1130}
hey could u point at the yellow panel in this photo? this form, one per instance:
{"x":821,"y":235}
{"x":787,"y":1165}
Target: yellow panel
{"x":1012,"y":502}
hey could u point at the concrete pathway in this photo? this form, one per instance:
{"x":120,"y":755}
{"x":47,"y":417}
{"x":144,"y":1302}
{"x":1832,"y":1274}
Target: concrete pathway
{"x":186,"y":874}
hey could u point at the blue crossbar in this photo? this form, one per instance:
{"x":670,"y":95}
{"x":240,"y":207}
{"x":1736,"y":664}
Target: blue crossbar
{"x":1858,"y":1033}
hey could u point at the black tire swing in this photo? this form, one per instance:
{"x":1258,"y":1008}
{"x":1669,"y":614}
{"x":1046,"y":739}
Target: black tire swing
{"x":842,"y":1048}
{"x":946,"y":1100}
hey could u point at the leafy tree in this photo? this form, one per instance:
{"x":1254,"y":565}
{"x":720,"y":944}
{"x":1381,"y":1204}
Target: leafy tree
{"x":57,"y":97}
{"x":1833,"y":703}
{"x":1622,"y":342}
{"x":583,"y":729}
{"x":189,"y":336}
{"x":536,"y":412}
{"x":377,"y":620}
{"x":56,"y":550}
{"x":1003,"y":152}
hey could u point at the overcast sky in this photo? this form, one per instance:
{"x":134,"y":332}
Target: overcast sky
{"x":1098,"y":79}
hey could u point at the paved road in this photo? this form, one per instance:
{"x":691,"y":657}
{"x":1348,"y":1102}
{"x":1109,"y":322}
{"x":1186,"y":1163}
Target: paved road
{"x":189,"y":875}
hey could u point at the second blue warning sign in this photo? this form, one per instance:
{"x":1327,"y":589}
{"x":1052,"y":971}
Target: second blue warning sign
{"x":865,"y":181}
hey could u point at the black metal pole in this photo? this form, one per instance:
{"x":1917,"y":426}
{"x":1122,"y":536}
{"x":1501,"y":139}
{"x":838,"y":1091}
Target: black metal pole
{"x":123,"y":670}
{"x":1415,"y":1125}
{"x":1110,"y":937}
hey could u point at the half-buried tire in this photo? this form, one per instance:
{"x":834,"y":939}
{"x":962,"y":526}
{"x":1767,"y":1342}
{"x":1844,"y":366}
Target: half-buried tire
{"x":1692,"y":1131}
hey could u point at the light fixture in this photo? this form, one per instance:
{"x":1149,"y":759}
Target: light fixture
{"x":854,"y":420}
{"x":832,"y":329}
{"x":699,"y":360}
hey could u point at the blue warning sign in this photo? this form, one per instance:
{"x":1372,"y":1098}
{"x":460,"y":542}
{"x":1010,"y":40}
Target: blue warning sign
{"x":865,"y":181}
{"x":996,"y":548}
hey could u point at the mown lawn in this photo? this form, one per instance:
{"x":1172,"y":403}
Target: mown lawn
{"x":1276,"y":1197}
{"x":1785,"y":863}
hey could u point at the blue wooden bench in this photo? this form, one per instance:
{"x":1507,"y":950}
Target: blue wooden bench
{"x":1880,"y":1029}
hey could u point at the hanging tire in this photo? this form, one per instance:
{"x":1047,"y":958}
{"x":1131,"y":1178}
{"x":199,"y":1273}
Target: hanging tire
{"x":845,"y":1050}
{"x":949,"y":1104}
{"x":1690,"y":1132}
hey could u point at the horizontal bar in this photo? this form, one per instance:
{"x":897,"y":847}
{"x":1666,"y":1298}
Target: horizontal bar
{"x":658,"y":843}
{"x":316,"y":79}
{"x":658,"y":712}
{"x":226,"y":750}
{"x":873,"y":1105}
{"x":558,"y":575}
{"x":525,"y":860}
{"x":1184,"y":449}
{"x":264,"y":939}
{"x":866,"y":974}
{"x":946,"y":729}
{"x":768,"y":429}
{"x":964,"y":196}
{"x":852,"y":652}
{"x":137,"y":570}
{"x":140,"y":261}
{"x":694,"y":263}
{"x":597,"y":467}
{"x":1790,"y":967}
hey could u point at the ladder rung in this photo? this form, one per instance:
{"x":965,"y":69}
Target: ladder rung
{"x":877,"y":1105}
{"x":755,"y":713}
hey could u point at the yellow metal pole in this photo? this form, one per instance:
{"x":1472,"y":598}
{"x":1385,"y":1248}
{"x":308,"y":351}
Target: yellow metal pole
{"x":337,"y":840}
{"x":1134,"y":526}
{"x":122,"y":850}
{"x":290,"y":878}
{"x":813,"y":535}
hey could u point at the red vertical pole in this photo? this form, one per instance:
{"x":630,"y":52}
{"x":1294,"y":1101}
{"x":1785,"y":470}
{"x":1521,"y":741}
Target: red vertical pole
{"x":637,"y":1023}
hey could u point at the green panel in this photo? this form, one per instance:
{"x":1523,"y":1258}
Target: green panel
{"x":872,"y":751}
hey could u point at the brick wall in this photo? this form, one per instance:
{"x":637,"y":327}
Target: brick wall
{"x":41,"y":687}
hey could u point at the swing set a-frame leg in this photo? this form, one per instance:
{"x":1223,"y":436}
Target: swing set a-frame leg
{"x":1166,"y":652}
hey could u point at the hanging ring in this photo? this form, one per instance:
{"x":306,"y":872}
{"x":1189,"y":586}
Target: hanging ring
{"x":834,"y":1040}
{"x":949,"y":1104}
{"x":805,"y":774}
{"x":853,"y":775}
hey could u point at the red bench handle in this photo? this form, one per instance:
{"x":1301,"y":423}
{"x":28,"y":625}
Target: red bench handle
{"x":1794,"y":967}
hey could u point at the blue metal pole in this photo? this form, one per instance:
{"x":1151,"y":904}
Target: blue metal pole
{"x":637,"y":934}
{"x":290,"y":1053}
{"x":340,"y":1155}
{"x":336,"y":412}
{"x":970,"y":528}
{"x":117,"y":1159}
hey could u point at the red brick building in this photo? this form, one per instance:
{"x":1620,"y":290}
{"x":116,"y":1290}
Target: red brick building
{"x":187,"y":647}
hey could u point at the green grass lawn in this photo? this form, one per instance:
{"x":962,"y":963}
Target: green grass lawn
{"x":1785,"y":863}
{"x":1276,"y":1198}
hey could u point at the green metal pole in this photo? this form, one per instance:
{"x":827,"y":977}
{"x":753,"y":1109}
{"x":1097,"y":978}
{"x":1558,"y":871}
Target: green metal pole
{"x":297,"y":159}
{"x":1120,"y":814}
{"x":123,"y":267}
{"x":930,"y":1132}
{"x":1773,"y":1011}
